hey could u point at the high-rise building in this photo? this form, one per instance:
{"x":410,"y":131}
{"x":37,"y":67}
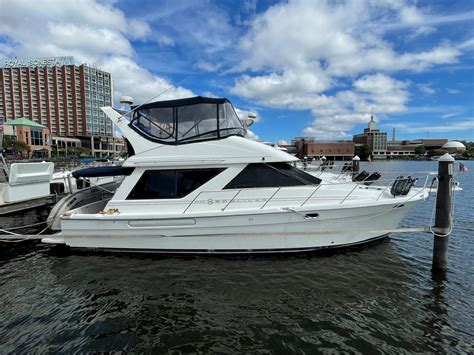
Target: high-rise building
{"x":57,"y":93}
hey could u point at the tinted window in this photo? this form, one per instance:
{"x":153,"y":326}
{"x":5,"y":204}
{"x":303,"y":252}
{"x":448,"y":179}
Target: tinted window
{"x":162,"y":184}
{"x":271,"y":175}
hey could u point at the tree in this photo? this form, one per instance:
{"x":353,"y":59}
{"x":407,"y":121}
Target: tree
{"x":420,"y":150}
{"x":438,"y":152}
{"x":79,"y":151}
{"x":22,"y":147}
{"x":468,"y":152}
{"x":8,"y":143}
{"x":363,"y":151}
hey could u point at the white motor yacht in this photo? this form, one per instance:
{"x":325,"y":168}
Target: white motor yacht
{"x":194,"y":184}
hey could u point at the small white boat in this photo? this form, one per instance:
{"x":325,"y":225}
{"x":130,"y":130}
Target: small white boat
{"x":24,"y":181}
{"x":194,"y":184}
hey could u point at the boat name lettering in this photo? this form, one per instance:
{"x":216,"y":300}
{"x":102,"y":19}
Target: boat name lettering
{"x":245,"y":200}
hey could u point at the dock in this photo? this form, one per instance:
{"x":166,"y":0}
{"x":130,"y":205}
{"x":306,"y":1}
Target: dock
{"x":28,"y":215}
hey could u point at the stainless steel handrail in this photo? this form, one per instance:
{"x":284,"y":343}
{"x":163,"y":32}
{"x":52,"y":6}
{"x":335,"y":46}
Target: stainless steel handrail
{"x":238,"y":192}
{"x":384,"y":188}
{"x":271,"y":197}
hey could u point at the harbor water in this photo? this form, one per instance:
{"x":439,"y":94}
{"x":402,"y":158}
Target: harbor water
{"x":381,"y":298}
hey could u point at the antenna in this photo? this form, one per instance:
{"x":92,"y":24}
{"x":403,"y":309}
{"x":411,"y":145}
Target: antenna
{"x":153,"y":98}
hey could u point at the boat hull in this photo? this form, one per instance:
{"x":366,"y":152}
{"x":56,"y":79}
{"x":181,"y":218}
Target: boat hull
{"x":279,"y":230}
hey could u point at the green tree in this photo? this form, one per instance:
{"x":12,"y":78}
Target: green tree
{"x":420,"y":150}
{"x":363,"y":151}
{"x":79,"y":151}
{"x":22,"y":147}
{"x":438,"y":152}
{"x":8,"y":143}
{"x":468,"y":152}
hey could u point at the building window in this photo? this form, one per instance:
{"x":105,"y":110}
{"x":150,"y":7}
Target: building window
{"x":168,"y":184}
{"x":271,"y":175}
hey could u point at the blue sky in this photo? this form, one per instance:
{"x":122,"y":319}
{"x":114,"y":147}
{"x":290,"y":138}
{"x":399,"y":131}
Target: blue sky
{"x":312,"y":68}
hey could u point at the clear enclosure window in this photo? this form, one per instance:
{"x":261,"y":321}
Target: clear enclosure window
{"x":188,"y":123}
{"x":157,"y":122}
{"x":197,"y":121}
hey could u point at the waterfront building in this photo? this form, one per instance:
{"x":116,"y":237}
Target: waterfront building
{"x":58,"y":93}
{"x":310,"y":148}
{"x":407,"y":147}
{"x":375,"y":139}
{"x":33,"y":134}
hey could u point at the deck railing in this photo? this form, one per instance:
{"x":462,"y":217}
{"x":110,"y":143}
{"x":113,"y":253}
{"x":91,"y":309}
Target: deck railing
{"x":382,"y":185}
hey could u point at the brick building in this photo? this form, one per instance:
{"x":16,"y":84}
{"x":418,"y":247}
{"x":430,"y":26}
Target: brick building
{"x":59,"y":94}
{"x":310,"y":148}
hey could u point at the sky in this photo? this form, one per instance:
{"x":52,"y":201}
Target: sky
{"x":305,"y":68}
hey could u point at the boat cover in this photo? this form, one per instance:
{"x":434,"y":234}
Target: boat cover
{"x":101,"y":171}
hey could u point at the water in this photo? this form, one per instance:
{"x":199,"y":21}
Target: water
{"x":378,"y":299}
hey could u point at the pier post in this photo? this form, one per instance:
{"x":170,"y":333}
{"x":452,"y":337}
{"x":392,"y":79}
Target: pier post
{"x":443,"y":220}
{"x":355,"y":166}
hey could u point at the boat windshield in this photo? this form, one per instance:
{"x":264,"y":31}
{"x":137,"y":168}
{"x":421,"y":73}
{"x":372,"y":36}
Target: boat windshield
{"x":187,"y":120}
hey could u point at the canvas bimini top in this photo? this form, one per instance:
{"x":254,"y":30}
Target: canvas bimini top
{"x":187,"y":120}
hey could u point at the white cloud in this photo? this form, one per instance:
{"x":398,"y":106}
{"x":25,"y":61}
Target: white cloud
{"x":461,"y":125}
{"x":294,"y":88}
{"x":243,"y":114}
{"x":452,"y":114}
{"x":335,"y":115}
{"x":421,"y":31}
{"x":346,"y":36}
{"x":92,"y":32}
{"x":165,"y":40}
{"x":298,"y":52}
{"x":132,"y":80}
{"x":138,"y":30}
{"x":426,"y":89}
{"x":453,"y":91}
{"x":206,"y":66}
{"x":252,"y":135}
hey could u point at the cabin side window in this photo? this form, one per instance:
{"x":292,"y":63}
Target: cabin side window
{"x":168,"y":184}
{"x":271,"y":175}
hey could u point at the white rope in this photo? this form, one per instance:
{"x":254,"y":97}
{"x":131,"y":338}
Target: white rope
{"x":25,"y":226}
{"x":8,"y":232}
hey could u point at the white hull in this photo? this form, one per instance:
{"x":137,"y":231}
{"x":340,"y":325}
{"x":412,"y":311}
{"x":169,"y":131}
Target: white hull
{"x":269,"y":231}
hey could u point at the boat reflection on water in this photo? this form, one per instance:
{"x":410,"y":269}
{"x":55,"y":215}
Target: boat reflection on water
{"x":357,"y":300}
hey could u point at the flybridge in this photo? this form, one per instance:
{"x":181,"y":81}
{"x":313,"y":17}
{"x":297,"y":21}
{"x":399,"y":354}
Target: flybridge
{"x":187,"y":120}
{"x":38,"y":62}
